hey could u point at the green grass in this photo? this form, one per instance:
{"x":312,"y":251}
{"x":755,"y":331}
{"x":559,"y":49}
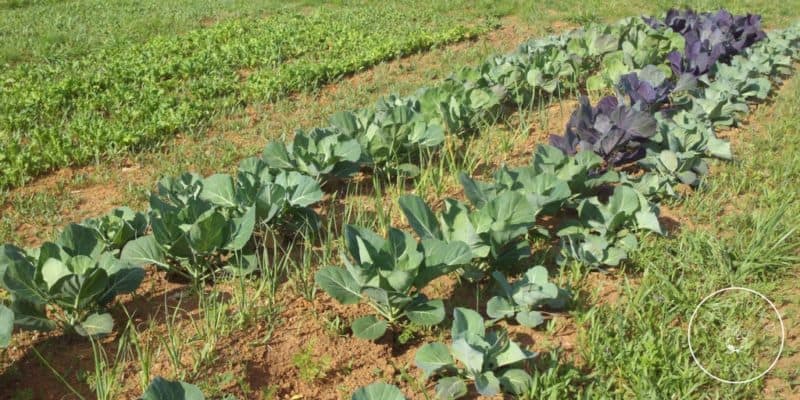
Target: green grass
{"x":50,"y":31}
{"x":742,"y":231}
{"x":578,"y":12}
{"x":736,"y":335}
{"x":107,"y":103}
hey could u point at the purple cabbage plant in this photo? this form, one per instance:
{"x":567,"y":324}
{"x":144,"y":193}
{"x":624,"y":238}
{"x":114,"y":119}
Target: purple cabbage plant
{"x":613,"y":129}
{"x":709,"y":37}
{"x":647,"y":89}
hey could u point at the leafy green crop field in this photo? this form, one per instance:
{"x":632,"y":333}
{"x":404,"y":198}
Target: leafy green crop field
{"x":432,"y":244}
{"x":54,"y":30}
{"x":71,"y":112}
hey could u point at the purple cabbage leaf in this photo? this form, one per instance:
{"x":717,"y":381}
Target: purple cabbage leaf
{"x":709,"y":38}
{"x":614,"y":130}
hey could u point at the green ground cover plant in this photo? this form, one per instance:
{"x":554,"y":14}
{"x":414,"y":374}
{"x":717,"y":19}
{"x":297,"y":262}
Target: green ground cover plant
{"x":70,"y":113}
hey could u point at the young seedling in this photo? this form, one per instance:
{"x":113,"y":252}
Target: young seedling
{"x":524,"y":299}
{"x":53,"y":289}
{"x":487,"y":358}
{"x":494,"y":232}
{"x":161,"y":389}
{"x":604,"y":232}
{"x":378,"y":391}
{"x":309,"y":367}
{"x":389,"y":273}
{"x":323,"y":153}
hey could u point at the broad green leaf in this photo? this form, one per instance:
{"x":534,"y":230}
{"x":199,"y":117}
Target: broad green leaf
{"x":614,"y":255}
{"x":270,"y":201}
{"x":652,"y":74}
{"x":537,"y":274}
{"x":546,"y":154}
{"x":482,"y":99}
{"x":378,"y":391}
{"x":276,"y":156}
{"x":466,"y":321}
{"x":430,"y":135}
{"x":625,"y":199}
{"x":242,"y":264}
{"x":81,"y":240}
{"x":19,"y":280}
{"x":719,"y":148}
{"x":473,"y":190}
{"x":306,"y":190}
{"x":95,"y":324}
{"x":209,"y":233}
{"x":377,"y":295}
{"x":471,"y":357}
{"x":459,"y":227}
{"x":440,"y":259}
{"x":218,"y":189}
{"x":124,"y":280}
{"x":369,"y":327}
{"x":451,"y":388}
{"x":420,"y":217}
{"x":511,"y":216}
{"x":669,"y":159}
{"x":403,"y":260}
{"x":432,"y":358}
{"x":31,"y":316}
{"x":10,"y":255}
{"x":507,"y":289}
{"x":348,"y":149}
{"x":346,"y":122}
{"x":353,"y":233}
{"x":511,"y":355}
{"x":426,"y":313}
{"x":143,"y":251}
{"x":440,"y":253}
{"x":80,"y":265}
{"x":487,"y":384}
{"x":595,"y":83}
{"x":516,"y":381}
{"x":53,"y":270}
{"x":338,"y":283}
{"x":499,"y":307}
{"x":162,"y":389}
{"x":81,"y":290}
{"x":6,"y":325}
{"x":646,"y":219}
{"x":242,"y":230}
{"x":530,"y":294}
{"x":688,"y":177}
{"x":530,"y":318}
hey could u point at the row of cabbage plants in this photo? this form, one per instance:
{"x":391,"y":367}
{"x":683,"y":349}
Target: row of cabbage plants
{"x":668,"y":133}
{"x":202,"y":226}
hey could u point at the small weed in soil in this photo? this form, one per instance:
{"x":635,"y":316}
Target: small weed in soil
{"x":311,"y":368}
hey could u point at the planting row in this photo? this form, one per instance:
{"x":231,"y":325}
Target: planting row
{"x":73,"y":112}
{"x":663,"y":117}
{"x":395,"y":134}
{"x":601,"y":234}
{"x":206,"y":226}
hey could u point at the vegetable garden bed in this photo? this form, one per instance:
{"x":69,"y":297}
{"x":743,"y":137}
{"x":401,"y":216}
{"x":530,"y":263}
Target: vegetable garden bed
{"x":71,"y":113}
{"x":676,"y":81}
